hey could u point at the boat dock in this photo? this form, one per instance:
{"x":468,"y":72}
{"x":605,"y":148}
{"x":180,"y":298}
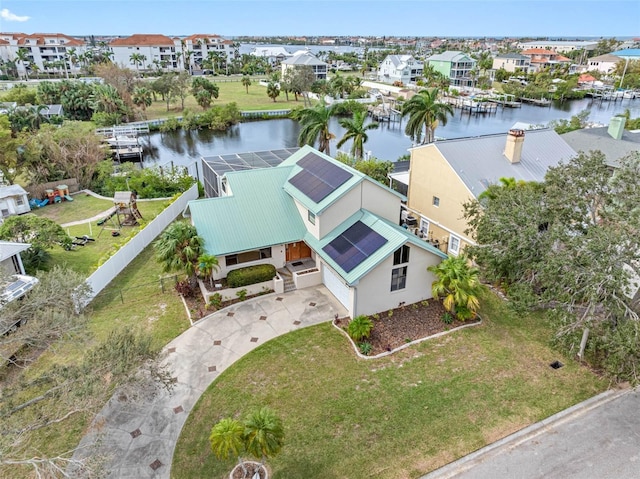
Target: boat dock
{"x":506,"y":101}
{"x":123,"y":140}
{"x":472,"y":106}
{"x":537,"y":101}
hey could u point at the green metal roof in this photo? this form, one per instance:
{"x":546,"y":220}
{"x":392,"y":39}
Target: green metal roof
{"x":396,"y":236}
{"x":257,"y":214}
{"x":318,"y":208}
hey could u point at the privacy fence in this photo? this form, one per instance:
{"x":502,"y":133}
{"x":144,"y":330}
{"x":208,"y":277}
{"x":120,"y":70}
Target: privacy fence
{"x":101,"y":277}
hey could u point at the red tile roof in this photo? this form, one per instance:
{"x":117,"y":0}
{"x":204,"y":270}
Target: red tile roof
{"x":198,"y":36}
{"x":142,"y":39}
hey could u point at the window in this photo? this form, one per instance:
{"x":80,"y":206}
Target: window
{"x":265,"y":253}
{"x":19,"y":201}
{"x":401,"y":255}
{"x":454,"y":244}
{"x":424,"y":227}
{"x":247,"y":256}
{"x":4,"y":213}
{"x":312,"y":217}
{"x":398,"y":278}
{"x":436,"y":201}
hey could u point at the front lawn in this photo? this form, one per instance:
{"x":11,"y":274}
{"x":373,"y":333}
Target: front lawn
{"x":396,"y":417}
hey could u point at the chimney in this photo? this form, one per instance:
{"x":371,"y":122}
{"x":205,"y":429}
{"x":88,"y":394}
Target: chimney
{"x":616,"y":127}
{"x":513,"y":148}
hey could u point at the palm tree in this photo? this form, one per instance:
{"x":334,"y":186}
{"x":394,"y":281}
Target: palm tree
{"x":136,"y":59}
{"x":273,"y":90}
{"x":142,"y":97}
{"x":458,"y":284}
{"x":228,"y":439}
{"x":246,"y":82}
{"x":356,"y":131}
{"x":22,"y":55}
{"x":424,"y":113}
{"x":207,"y":264}
{"x":264,"y":434}
{"x":315,"y":126}
{"x":179,"y":247}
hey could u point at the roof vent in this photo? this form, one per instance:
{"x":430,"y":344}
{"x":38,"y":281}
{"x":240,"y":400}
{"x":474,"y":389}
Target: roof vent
{"x":513,"y":147}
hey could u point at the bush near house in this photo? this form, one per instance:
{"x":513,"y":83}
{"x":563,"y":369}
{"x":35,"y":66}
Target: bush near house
{"x":250,"y":275}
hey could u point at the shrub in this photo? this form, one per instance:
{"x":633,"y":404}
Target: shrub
{"x":216,"y":300}
{"x":365,"y":348}
{"x":250,"y":275}
{"x":360,"y":327}
{"x":242,"y":294}
{"x":186,"y":289}
{"x":447,"y":318}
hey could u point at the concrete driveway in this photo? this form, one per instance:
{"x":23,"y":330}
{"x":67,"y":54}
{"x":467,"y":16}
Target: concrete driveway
{"x":599,"y":438}
{"x":135,"y":434}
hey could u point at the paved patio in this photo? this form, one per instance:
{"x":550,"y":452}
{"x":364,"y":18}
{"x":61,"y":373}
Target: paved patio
{"x":134,"y":436}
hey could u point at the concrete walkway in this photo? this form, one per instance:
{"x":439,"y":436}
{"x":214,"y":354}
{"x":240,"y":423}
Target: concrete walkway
{"x":598,"y":438}
{"x":134,"y":436}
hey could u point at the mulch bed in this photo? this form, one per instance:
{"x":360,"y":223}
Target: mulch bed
{"x":199,"y":310}
{"x":396,"y":327}
{"x":252,"y":468}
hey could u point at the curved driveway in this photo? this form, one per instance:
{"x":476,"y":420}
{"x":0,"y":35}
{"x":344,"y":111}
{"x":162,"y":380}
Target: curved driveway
{"x":134,"y":436}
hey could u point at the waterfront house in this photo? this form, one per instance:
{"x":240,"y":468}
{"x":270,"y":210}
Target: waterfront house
{"x":540,"y":58}
{"x":400,"y":68}
{"x":604,"y":63}
{"x":318,"y":221}
{"x":454,"y":65}
{"x":446,"y":174}
{"x":305,"y":58}
{"x":274,"y":55}
{"x":512,"y":62}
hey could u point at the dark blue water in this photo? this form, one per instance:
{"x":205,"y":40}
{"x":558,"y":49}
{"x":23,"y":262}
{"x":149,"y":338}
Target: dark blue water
{"x":388,"y":142}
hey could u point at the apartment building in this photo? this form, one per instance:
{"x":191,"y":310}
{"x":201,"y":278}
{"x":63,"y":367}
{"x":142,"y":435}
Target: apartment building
{"x":147,"y":51}
{"x":199,"y":47}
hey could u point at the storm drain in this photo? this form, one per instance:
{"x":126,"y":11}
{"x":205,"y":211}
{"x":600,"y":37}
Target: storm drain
{"x":556,"y":365}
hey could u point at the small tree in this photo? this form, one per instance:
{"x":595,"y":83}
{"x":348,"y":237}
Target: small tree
{"x":246,"y":82}
{"x":458,"y":284}
{"x":207,"y":264}
{"x":261,"y":435}
{"x":178,"y":248}
{"x":273,"y":91}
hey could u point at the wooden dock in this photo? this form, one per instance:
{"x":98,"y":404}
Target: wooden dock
{"x":537,"y":101}
{"x":471,"y":106}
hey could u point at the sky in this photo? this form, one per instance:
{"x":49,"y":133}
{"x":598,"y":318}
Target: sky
{"x":452,"y":18}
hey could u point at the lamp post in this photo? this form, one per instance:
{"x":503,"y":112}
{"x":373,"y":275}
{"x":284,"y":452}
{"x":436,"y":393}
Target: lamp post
{"x":623,"y":72}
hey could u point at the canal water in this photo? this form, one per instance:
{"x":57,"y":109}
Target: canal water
{"x":388,"y":142}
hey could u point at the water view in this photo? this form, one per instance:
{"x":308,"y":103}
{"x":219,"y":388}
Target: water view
{"x":387,"y":142}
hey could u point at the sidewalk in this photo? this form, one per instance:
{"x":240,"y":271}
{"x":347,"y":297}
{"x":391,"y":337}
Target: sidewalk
{"x":135,"y":437}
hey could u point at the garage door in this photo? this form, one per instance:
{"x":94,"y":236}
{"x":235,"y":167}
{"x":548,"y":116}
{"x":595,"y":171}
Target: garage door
{"x":334,"y":284}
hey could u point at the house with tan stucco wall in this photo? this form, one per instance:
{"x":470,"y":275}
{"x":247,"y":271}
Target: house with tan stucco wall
{"x":446,"y":174}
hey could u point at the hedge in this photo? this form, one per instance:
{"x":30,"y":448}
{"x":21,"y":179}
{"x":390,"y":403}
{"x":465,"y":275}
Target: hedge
{"x":250,"y":275}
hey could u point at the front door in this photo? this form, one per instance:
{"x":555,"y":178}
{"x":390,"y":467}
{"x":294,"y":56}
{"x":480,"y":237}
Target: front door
{"x":298,"y":250}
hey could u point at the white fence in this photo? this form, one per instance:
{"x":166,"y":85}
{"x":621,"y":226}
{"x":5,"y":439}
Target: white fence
{"x":101,"y":277}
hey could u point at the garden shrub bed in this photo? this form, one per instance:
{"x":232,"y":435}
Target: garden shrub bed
{"x":402,"y":325}
{"x":250,"y":275}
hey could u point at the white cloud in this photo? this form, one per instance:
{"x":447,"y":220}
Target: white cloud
{"x":5,"y":14}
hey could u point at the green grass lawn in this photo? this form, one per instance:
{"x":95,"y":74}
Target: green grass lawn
{"x":85,"y":259}
{"x":395,"y":417}
{"x":145,"y":307}
{"x":83,"y":206}
{"x":256,"y":99}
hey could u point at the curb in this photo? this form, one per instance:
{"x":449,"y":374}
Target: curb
{"x":513,"y":440}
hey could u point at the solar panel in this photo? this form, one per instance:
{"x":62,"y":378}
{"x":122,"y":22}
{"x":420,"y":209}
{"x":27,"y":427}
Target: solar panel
{"x":354,"y":245}
{"x":319,"y":177}
{"x":311,"y":186}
